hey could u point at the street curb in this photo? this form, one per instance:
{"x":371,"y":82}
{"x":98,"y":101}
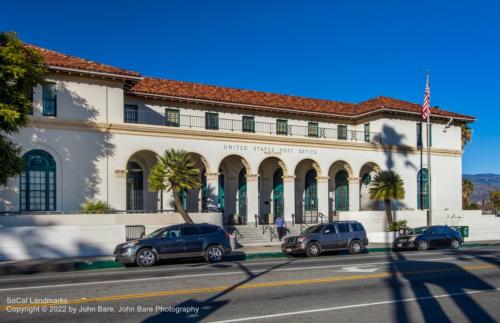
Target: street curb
{"x":61,"y":266}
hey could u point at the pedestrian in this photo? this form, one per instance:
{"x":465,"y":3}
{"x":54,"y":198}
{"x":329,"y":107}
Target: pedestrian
{"x":281,"y":226}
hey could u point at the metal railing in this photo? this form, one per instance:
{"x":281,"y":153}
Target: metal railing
{"x":237,"y":125}
{"x":259,"y":219}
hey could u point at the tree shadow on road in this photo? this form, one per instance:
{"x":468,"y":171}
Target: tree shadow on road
{"x":454,"y":280}
{"x":211,"y":304}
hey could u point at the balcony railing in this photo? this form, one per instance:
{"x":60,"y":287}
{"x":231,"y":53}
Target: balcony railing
{"x":233,"y":125}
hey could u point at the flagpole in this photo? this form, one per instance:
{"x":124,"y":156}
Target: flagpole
{"x":429,"y":212}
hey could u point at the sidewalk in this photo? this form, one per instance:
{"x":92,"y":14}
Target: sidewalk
{"x":26,"y":267}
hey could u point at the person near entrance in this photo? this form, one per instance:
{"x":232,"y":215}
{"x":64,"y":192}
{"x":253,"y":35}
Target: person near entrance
{"x":280,"y":226}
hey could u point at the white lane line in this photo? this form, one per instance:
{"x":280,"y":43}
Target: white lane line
{"x":318,"y":310}
{"x":117,"y":281}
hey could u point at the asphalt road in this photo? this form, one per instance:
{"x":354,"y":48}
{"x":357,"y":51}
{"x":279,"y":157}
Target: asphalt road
{"x":434,"y":286}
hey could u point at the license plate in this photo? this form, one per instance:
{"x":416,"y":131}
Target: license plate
{"x":288,"y":249}
{"x":400,"y":245}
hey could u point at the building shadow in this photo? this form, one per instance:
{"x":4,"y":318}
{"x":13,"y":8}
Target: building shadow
{"x":212,"y":304}
{"x":448,"y":277}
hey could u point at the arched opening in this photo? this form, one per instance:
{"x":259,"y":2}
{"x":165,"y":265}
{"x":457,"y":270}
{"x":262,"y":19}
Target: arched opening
{"x":338,"y":187}
{"x":366,"y":175}
{"x":423,"y":189}
{"x":232,"y":189}
{"x":271,"y":189}
{"x":306,"y":191}
{"x":138,"y":197}
{"x":38,"y":182}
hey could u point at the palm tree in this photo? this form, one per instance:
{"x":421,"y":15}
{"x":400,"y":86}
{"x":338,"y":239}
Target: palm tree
{"x":387,"y":186}
{"x":466,"y":134}
{"x":467,"y":188}
{"x":175,"y":172}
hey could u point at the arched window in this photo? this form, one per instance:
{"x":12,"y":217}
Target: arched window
{"x":38,"y":182}
{"x":423,"y":189}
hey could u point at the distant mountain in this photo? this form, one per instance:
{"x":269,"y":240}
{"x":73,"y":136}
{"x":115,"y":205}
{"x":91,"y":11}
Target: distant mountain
{"x":483,"y":185}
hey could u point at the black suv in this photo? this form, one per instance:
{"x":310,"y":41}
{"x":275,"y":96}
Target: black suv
{"x":176,"y":241}
{"x":340,"y":235}
{"x":424,"y":238}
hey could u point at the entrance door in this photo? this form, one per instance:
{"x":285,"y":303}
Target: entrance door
{"x":242,"y":197}
{"x":341,"y":191}
{"x":134,"y":186}
{"x":278,"y":193}
{"x":204,"y":191}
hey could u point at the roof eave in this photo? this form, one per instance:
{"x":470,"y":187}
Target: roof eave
{"x":95,"y":73}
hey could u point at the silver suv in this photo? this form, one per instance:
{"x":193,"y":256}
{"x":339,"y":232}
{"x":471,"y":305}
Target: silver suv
{"x":340,"y":235}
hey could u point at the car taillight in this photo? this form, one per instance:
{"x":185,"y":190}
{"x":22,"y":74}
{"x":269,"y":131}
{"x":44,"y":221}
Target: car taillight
{"x":226,"y":235}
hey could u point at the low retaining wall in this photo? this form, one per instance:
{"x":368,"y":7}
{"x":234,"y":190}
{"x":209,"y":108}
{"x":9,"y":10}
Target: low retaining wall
{"x":481,"y":227}
{"x":78,"y":235}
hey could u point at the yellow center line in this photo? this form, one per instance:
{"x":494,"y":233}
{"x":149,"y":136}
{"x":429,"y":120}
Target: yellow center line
{"x":248,"y":286}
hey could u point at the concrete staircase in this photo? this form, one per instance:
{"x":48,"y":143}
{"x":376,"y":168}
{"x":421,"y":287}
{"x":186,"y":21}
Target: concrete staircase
{"x":249,"y":235}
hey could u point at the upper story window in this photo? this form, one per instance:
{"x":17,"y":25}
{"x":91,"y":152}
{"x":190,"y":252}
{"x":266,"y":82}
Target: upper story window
{"x":282,"y":127}
{"x":342,"y":132}
{"x":212,"y":120}
{"x":172,"y":117}
{"x":313,"y":129}
{"x":367,"y":132}
{"x":419,"y":134}
{"x":248,"y":124}
{"x":131,"y":113}
{"x":420,"y":140}
{"x":50,"y":99}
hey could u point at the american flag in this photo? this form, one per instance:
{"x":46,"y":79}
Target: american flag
{"x":426,"y":107}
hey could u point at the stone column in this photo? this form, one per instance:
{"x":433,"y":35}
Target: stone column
{"x":252,"y":197}
{"x":354,"y":194}
{"x":213,"y":192}
{"x":322,"y":187}
{"x":289,"y":197}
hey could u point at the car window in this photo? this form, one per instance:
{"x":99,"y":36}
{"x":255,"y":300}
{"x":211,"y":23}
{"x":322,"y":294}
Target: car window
{"x":156,"y":233}
{"x":343,"y":227}
{"x":189,"y":231}
{"x":172,"y":232}
{"x":330,"y":229}
{"x":420,"y":230}
{"x":313,"y":229}
{"x":208,"y":229}
{"x":357,"y":227}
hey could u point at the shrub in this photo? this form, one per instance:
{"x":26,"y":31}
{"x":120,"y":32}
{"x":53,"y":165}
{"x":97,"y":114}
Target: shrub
{"x":95,"y":207}
{"x":396,"y":226}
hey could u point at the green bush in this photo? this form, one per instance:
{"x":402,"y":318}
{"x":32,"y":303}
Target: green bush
{"x":396,"y":226}
{"x":95,"y":207}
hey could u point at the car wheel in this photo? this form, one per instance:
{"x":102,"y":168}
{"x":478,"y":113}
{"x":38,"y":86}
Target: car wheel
{"x":145,"y":258}
{"x":313,"y":250}
{"x":355,"y":247}
{"x":454,"y":244}
{"x":423,"y":245}
{"x":214,"y":254}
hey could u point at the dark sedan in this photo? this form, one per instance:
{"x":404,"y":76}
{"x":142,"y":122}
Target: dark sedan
{"x":177,"y":241}
{"x":425,"y":238}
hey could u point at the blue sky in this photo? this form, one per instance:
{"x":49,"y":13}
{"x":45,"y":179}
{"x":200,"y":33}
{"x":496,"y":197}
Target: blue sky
{"x":340,"y":50}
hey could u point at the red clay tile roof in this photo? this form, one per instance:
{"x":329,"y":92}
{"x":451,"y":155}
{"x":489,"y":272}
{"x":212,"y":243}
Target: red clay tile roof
{"x":247,"y":97}
{"x":383,"y":102}
{"x":56,"y":59}
{"x":263,"y":100}
{"x":197,"y":91}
